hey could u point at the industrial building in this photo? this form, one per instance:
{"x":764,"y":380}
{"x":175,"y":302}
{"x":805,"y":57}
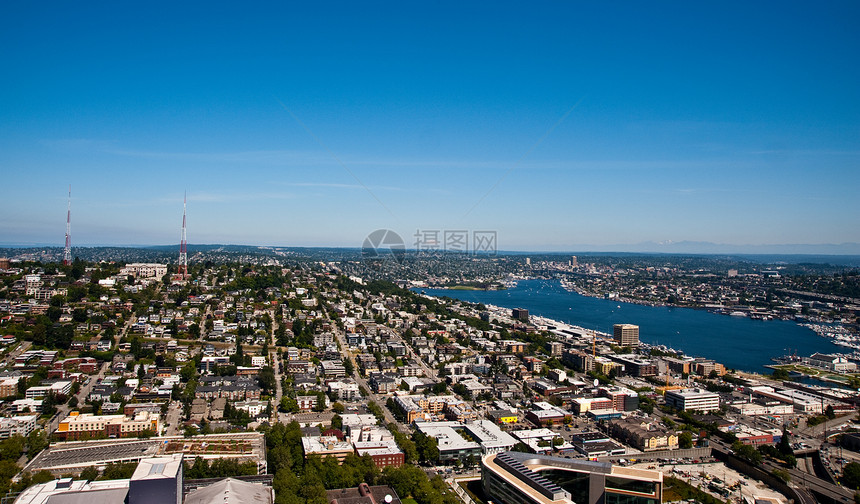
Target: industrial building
{"x":693,"y":399}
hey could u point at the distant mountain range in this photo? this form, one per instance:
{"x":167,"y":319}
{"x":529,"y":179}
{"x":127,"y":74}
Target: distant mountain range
{"x":649,"y":247}
{"x":698,"y":247}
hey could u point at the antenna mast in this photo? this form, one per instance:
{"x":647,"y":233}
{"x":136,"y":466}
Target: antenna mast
{"x":67,"y":252}
{"x":183,"y":244}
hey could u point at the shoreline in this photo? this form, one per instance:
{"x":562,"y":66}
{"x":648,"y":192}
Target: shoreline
{"x":559,"y":326}
{"x":821,"y":328}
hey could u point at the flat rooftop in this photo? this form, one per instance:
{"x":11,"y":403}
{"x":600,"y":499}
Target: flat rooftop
{"x":446,"y":437}
{"x":74,"y":456}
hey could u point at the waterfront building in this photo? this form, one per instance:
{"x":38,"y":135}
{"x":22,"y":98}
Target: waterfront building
{"x":704,"y":367}
{"x":830,"y":362}
{"x":520,"y":314}
{"x":626,"y":334}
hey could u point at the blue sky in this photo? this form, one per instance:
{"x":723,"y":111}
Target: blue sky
{"x":556,"y":124}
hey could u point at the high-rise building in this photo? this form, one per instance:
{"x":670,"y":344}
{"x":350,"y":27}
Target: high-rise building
{"x":626,"y":334}
{"x":573,"y":261}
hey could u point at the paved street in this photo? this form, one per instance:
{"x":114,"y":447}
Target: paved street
{"x":171,"y":421}
{"x":276,"y":365}
{"x":362,"y":382}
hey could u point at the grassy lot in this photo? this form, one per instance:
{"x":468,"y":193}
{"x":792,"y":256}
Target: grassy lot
{"x":816,"y":373}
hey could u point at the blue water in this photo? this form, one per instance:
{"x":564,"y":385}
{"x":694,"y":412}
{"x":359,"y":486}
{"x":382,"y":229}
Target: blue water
{"x":736,"y":342}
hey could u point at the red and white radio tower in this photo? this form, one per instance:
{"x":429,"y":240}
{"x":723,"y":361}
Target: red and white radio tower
{"x":67,"y":253}
{"x":183,"y":244}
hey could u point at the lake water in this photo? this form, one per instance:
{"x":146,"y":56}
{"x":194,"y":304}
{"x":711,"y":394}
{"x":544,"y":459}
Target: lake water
{"x":736,"y":342}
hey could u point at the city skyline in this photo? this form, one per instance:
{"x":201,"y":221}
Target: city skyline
{"x":555,"y":126}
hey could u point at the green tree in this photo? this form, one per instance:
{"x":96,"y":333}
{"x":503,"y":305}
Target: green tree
{"x":118,"y":470}
{"x":12,"y":448}
{"x":784,"y":445}
{"x":347,"y":364}
{"x":188,"y":371}
{"x":440,"y":388}
{"x":40,"y":477}
{"x":685,"y":440}
{"x":78,"y":268}
{"x":781,"y":475}
{"x":90,"y":473}
{"x":8,"y":469}
{"x":321,"y":401}
{"x":266,"y":379}
{"x":289,"y":405}
{"x":747,"y":452}
{"x":36,"y":442}
{"x":780,"y":374}
{"x":851,"y":475}
{"x":427,"y":447}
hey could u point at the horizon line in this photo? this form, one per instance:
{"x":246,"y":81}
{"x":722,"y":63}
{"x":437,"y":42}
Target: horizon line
{"x":481,"y":254}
